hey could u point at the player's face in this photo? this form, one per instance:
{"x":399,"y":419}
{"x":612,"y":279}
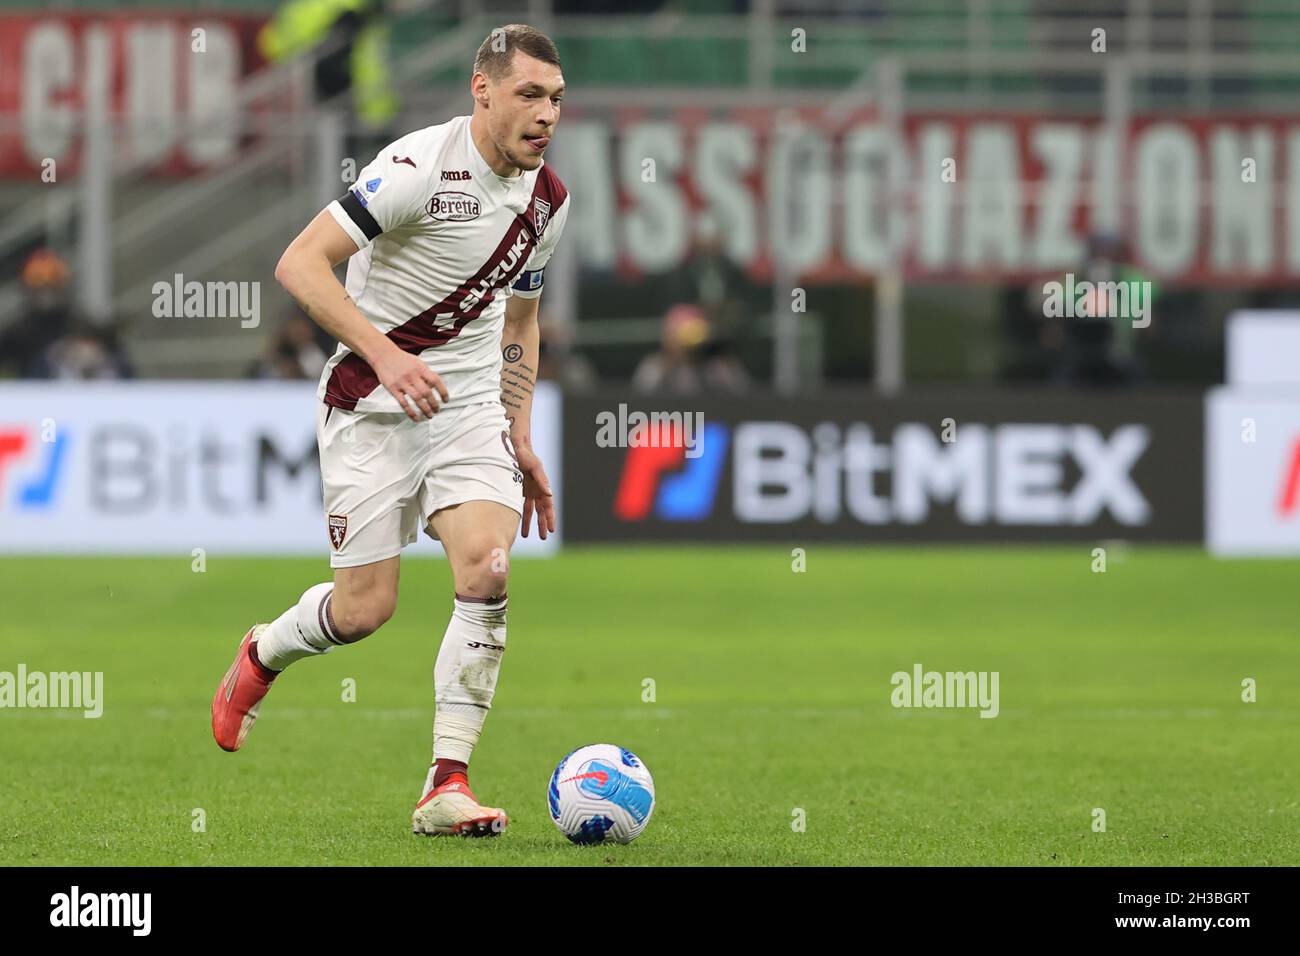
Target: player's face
{"x":524,"y":109}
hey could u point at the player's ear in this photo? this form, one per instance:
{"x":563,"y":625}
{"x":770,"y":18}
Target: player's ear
{"x":478,"y":86}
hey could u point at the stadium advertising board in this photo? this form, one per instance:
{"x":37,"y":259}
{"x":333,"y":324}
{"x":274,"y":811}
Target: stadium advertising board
{"x":1211,"y":199}
{"x":851,"y":467}
{"x":1252,"y":472}
{"x":163,"y":468}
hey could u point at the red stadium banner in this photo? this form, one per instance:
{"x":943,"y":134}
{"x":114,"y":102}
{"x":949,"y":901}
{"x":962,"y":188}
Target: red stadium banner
{"x":1208,"y":200}
{"x":160,"y":71}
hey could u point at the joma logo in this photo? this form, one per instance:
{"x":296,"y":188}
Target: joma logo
{"x":455,"y":175}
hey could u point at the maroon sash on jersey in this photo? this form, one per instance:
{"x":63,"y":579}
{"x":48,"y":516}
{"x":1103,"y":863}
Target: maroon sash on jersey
{"x":352,"y":379}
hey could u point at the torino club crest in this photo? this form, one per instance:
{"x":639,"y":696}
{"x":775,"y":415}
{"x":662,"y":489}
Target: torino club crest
{"x":541,"y":214}
{"x":338,"y":530}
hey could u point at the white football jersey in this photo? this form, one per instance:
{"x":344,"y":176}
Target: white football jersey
{"x":443,"y":242}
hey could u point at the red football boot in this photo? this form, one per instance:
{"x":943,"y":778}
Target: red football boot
{"x":453,"y":810}
{"x":240,"y":693}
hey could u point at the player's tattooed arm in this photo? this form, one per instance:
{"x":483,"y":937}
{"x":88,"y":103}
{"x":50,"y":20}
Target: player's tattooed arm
{"x":517,"y":381}
{"x":519,"y":347}
{"x":316,"y":316}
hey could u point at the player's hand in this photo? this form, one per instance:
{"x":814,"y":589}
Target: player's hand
{"x":418,"y":389}
{"x":537,"y":493}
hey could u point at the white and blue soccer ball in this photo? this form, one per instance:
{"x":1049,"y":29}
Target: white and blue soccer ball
{"x":601,"y":793}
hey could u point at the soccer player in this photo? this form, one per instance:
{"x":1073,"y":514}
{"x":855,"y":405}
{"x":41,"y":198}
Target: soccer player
{"x":424,"y":414}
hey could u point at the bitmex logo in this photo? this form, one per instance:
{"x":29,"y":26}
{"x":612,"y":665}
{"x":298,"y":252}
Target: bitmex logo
{"x":664,"y":481}
{"x":1290,"y":497}
{"x":781,"y":472}
{"x":42,"y":461}
{"x":125,"y":468}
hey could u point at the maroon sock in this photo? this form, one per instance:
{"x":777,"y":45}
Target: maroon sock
{"x":444,"y":769}
{"x":263,"y":671}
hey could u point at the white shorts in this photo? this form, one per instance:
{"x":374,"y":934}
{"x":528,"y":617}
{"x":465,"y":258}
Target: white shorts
{"x":384,"y":476}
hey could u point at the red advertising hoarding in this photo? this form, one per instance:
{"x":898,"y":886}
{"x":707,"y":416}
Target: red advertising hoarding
{"x":158,"y":72}
{"x":1207,"y":199}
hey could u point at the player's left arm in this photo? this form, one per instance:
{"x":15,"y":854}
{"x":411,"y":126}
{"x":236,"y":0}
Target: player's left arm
{"x":519,"y":349}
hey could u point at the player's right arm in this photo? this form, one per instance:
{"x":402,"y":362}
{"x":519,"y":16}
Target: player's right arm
{"x":306,"y":270}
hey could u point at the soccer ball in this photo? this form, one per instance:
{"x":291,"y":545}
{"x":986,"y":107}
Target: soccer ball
{"x":601,"y":792}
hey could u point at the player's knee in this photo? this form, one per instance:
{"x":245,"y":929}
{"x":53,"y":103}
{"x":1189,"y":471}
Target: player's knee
{"x":360,"y":617}
{"x":487,"y":572}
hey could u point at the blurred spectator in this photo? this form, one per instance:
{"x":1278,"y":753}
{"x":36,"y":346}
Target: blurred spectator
{"x":47,"y":315}
{"x":683,"y":364}
{"x":351,"y":39}
{"x":1074,"y":350}
{"x":292,"y":353}
{"x":723,"y":371}
{"x":713,"y":281}
{"x":85,"y":353}
{"x":1102,"y":351}
{"x":557,"y":362}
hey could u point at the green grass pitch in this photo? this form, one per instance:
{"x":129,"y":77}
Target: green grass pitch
{"x":1120,"y":691}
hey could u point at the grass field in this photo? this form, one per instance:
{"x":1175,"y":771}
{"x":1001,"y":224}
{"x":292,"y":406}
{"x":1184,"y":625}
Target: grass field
{"x":1119,"y":691}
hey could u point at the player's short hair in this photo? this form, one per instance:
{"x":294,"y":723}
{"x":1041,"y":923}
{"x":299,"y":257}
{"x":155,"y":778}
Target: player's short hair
{"x":497,"y":52}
